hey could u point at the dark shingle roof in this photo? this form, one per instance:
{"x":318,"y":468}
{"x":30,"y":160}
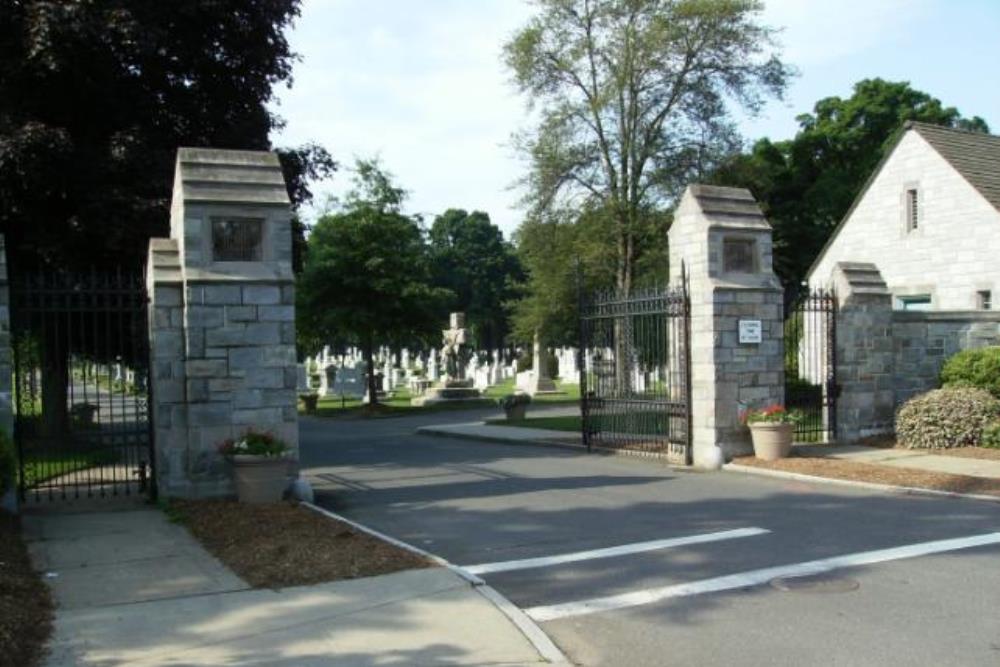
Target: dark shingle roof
{"x":974,"y":155}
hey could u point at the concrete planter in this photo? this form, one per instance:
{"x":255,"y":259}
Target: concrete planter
{"x":309,"y":402}
{"x":260,"y":479}
{"x":772,"y":440}
{"x":516,"y":412}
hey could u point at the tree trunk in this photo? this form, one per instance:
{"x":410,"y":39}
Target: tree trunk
{"x":370,"y":363}
{"x":55,"y":390}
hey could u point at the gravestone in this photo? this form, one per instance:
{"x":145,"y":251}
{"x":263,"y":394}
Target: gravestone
{"x":539,"y":382}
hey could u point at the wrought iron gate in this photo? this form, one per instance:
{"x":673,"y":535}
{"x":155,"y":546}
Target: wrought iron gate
{"x":634,"y":371}
{"x":811,"y":364}
{"x":81,"y":385}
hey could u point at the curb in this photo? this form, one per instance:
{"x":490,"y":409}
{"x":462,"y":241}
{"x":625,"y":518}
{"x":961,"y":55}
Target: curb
{"x":533,"y":633}
{"x":605,"y":451}
{"x":871,"y":486}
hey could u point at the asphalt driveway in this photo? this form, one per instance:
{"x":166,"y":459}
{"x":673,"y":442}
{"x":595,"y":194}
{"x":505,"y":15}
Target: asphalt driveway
{"x":916,"y":580}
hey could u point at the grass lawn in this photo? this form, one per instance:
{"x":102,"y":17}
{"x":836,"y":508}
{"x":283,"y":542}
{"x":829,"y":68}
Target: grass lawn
{"x":40,"y":467}
{"x":568,"y":423}
{"x":399,"y":405}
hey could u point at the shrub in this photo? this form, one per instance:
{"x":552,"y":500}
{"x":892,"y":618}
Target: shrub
{"x":944,"y":418}
{"x":974,"y":368}
{"x":991,"y":436}
{"x":8,"y":463}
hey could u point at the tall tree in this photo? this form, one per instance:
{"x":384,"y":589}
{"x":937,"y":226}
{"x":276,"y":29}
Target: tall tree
{"x":367,"y":274}
{"x":95,"y":98}
{"x":471,"y":258}
{"x":632,"y":99}
{"x":807,"y":184}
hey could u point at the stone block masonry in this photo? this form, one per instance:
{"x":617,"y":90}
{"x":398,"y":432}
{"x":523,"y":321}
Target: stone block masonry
{"x":222,"y":325}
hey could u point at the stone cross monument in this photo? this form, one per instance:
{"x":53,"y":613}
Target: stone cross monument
{"x":451,"y":353}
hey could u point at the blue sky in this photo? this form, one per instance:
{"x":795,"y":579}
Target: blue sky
{"x":420,"y":83}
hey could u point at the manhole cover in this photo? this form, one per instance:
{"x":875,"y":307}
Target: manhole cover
{"x":816,"y":583}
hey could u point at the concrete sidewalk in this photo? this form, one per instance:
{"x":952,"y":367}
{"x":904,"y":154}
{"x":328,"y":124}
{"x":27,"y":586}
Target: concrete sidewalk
{"x":134,"y":589}
{"x":914,"y":459}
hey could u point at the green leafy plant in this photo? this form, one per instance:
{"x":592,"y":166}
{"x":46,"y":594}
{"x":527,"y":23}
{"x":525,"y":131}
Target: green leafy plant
{"x":254,"y":443}
{"x":511,"y":401}
{"x":991,"y":436}
{"x":8,"y":462}
{"x":974,"y":368}
{"x":774,"y":414}
{"x":945,"y":418}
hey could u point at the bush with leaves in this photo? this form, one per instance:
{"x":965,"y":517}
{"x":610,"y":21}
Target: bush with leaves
{"x":945,"y":418}
{"x":991,"y":436}
{"x":974,"y":368}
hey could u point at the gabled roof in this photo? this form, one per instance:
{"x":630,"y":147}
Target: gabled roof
{"x":728,"y":207}
{"x":974,"y":155}
{"x":231,"y":176}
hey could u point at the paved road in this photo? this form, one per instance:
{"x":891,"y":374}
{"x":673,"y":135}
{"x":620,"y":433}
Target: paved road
{"x":477,"y":503}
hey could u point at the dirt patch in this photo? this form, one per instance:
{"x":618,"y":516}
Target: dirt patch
{"x":25,"y":601}
{"x":877,"y":474}
{"x":273,"y":546}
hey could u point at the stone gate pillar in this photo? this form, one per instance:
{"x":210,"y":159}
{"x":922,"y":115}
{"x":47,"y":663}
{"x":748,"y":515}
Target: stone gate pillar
{"x":866,"y":402}
{"x":222,"y":316}
{"x":723,"y":241}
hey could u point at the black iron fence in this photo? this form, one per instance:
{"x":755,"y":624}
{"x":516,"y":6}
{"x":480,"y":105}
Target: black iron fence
{"x":634,"y":371}
{"x":81,"y":384}
{"x":811,"y":364}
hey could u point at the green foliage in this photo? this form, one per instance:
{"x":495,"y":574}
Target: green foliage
{"x":991,"y":436}
{"x":631,"y":101}
{"x":974,"y":368}
{"x":945,"y":418}
{"x":254,"y":443}
{"x":774,"y":414}
{"x":95,"y":98}
{"x":367,"y":275}
{"x":807,"y":184}
{"x":8,"y":463}
{"x":471,"y":259}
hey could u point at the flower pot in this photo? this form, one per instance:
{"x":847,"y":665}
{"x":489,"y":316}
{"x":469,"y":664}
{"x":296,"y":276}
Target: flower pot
{"x":516,"y":412}
{"x":260,"y":479}
{"x":772,"y":440}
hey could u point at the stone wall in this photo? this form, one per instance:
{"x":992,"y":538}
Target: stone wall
{"x":886,"y":356}
{"x":923,"y":341}
{"x":222,"y":330}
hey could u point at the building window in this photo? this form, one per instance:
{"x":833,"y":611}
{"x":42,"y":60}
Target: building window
{"x":739,"y":256}
{"x":916,"y":302}
{"x":912,"y":209}
{"x":985,"y":299}
{"x":237,"y":239}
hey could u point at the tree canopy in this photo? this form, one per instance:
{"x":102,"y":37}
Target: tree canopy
{"x":633,"y":101}
{"x":367,"y":274}
{"x":471,"y":259}
{"x":807,"y":184}
{"x":96,"y":97}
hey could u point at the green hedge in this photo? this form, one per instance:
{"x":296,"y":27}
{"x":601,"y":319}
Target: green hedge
{"x":974,"y":368}
{"x":945,"y":418}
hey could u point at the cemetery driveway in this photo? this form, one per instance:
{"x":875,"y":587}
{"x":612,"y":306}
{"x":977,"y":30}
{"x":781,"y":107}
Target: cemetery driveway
{"x":625,"y":561}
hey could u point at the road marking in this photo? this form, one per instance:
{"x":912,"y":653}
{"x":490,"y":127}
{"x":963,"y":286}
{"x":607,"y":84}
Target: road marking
{"x":755,"y":577}
{"x":609,"y":552}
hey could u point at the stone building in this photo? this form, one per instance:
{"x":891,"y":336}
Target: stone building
{"x":929,"y":219}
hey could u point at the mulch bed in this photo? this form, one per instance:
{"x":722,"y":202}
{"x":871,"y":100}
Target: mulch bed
{"x":25,"y":601}
{"x":285,"y":544}
{"x":877,"y":474}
